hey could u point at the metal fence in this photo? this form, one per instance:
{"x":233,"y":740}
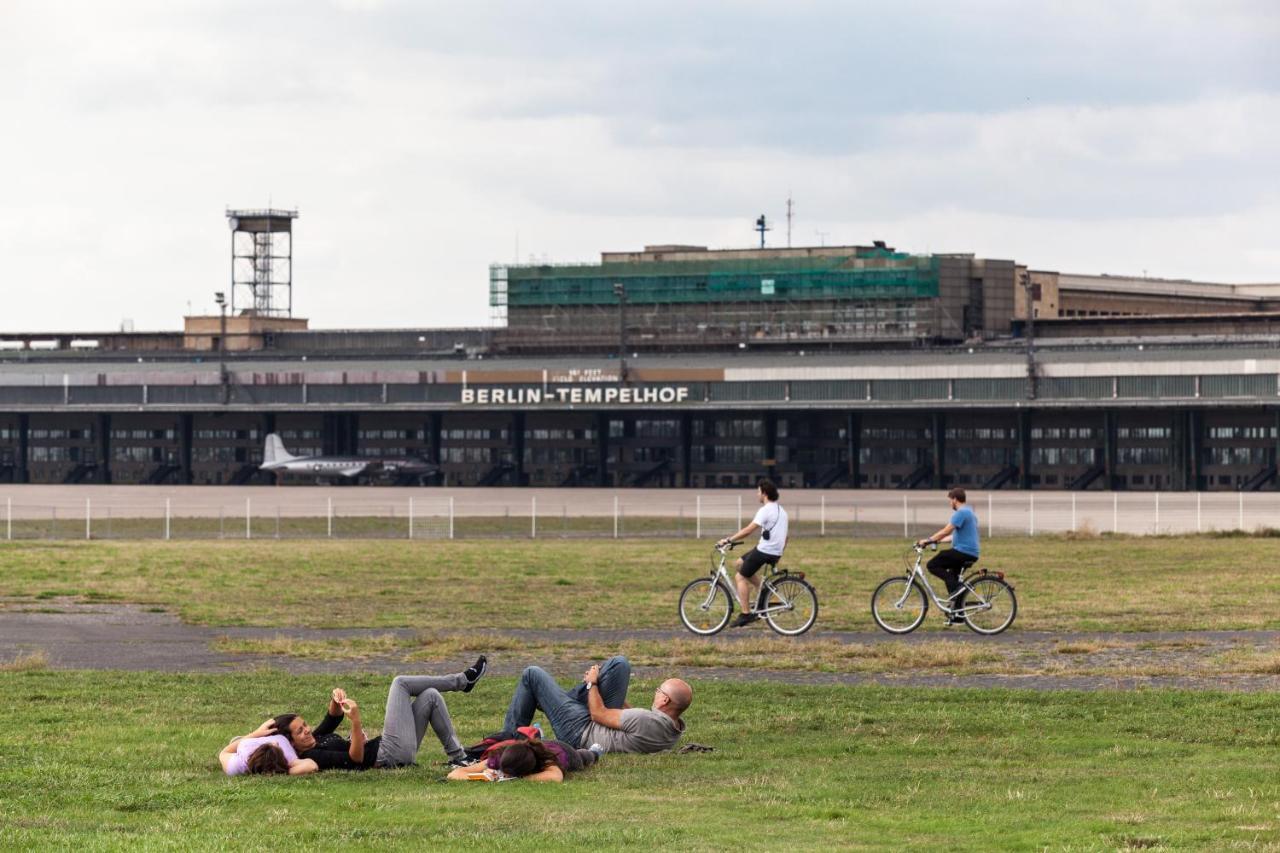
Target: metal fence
{"x":543,"y":514}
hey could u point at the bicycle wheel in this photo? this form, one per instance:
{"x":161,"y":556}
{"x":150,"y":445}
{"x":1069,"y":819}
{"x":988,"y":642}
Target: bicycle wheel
{"x":800,"y":603}
{"x":994,"y":608}
{"x":705,"y":606}
{"x":898,"y":605}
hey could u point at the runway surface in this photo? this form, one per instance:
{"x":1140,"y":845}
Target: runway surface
{"x":839,"y":511}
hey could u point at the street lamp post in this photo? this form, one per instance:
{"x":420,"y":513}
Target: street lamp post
{"x":221,"y":299}
{"x":620,"y":291}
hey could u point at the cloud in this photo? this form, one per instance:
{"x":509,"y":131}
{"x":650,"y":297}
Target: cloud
{"x":423,"y":141}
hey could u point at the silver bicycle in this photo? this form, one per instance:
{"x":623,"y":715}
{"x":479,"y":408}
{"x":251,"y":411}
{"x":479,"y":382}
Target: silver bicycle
{"x":900,"y":603}
{"x":787,"y":601}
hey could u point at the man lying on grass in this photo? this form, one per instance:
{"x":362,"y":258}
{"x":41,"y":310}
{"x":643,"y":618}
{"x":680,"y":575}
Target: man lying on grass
{"x":413,"y":703}
{"x":596,"y":711}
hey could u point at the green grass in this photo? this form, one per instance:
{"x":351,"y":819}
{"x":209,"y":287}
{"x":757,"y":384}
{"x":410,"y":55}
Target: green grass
{"x":1084,"y":584}
{"x":90,"y":761}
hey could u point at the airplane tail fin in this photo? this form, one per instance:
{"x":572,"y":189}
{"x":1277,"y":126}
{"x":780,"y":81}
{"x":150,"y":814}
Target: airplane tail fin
{"x":274,"y":451}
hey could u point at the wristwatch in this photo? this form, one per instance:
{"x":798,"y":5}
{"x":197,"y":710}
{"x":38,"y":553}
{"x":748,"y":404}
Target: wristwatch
{"x":589,"y":685}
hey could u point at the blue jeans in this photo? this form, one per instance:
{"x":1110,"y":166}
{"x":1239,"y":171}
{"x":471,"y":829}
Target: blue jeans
{"x":566,"y":710}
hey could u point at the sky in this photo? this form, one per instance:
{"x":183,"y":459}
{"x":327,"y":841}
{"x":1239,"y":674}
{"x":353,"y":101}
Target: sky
{"x":423,"y":141}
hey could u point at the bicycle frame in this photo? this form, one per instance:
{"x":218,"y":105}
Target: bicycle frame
{"x":944,"y":604}
{"x":721,"y":574}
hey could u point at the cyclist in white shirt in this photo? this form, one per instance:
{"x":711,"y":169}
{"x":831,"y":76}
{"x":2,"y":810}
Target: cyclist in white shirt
{"x":771,"y":521}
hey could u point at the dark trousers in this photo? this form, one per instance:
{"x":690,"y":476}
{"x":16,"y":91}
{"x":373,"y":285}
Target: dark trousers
{"x":947,"y":565}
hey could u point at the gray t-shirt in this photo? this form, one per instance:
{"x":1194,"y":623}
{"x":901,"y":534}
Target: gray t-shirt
{"x":643,"y":730}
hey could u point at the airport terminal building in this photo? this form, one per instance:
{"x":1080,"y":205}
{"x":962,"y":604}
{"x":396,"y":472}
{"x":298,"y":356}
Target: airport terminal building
{"x":825,"y":367}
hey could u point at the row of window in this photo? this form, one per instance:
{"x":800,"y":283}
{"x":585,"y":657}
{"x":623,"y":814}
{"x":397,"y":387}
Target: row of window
{"x":144,"y":434}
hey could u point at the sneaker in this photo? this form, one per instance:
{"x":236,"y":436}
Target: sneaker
{"x":455,"y":763}
{"x":473,"y":672}
{"x":597,"y":749}
{"x":743,"y":619}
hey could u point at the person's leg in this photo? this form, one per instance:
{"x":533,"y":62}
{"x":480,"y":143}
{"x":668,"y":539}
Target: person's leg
{"x":536,"y":690}
{"x":403,"y":726}
{"x":615,"y":678}
{"x":748,"y":586}
{"x":946,"y":565}
{"x":429,"y":709}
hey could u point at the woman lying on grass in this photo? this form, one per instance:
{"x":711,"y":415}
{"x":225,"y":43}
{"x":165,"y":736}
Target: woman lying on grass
{"x":414,"y":703}
{"x":265,"y":754}
{"x":535,"y":760}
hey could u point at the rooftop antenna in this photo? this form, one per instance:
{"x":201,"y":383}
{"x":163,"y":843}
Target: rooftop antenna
{"x":822,"y":237}
{"x":790,"y":215}
{"x":762,"y":226}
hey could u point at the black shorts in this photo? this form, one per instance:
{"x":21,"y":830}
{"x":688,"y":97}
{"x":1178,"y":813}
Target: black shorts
{"x":753,"y":560}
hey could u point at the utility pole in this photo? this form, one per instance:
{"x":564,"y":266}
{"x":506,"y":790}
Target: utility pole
{"x":620,"y":291}
{"x":1030,"y":331}
{"x":762,"y":226}
{"x":221,"y":299}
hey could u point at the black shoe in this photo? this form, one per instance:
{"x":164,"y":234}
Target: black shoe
{"x":455,"y":763}
{"x":473,"y":672}
{"x":743,"y":619}
{"x":953,"y":620}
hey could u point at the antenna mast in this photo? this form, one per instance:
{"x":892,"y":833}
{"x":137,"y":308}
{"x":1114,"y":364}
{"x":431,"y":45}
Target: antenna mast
{"x":790,"y":215}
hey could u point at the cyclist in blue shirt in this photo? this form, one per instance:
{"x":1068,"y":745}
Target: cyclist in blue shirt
{"x":962,"y":530}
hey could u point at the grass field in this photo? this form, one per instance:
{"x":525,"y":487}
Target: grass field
{"x":1063,"y":584}
{"x":91,"y":761}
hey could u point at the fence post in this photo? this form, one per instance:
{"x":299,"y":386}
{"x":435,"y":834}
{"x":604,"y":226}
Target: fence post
{"x":88,"y":514}
{"x":410,"y":518}
{"x":222,"y":532}
{"x":329,"y":517}
{"x":1157,"y":513}
{"x":248,"y":518}
{"x":1197,"y":512}
{"x":739,"y":512}
{"x":1241,"y":521}
{"x":533,"y":517}
{"x":615,"y":516}
{"x":905,"y":531}
{"x":8,"y":516}
{"x":1073,"y":512}
{"x":450,"y":516}
{"x":991,"y":520}
{"x":1031,"y":514}
{"x":166,"y":519}
{"x":699,"y":500}
{"x":823,"y":531}
{"x":1115,"y":512}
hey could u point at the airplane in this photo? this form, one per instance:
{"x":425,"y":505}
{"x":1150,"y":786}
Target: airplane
{"x":276,"y":458}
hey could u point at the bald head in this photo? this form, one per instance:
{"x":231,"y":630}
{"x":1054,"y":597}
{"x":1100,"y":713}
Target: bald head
{"x":679,"y":694}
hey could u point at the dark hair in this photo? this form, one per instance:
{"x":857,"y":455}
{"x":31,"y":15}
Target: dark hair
{"x":267,"y":759}
{"x":956,"y":494}
{"x":283,"y":721}
{"x":768,"y":488}
{"x":522,"y":759}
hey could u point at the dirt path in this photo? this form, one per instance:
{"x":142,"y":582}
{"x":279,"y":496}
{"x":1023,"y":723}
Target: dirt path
{"x":128,"y":637}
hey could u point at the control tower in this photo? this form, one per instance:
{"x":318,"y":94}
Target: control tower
{"x":262,"y":262}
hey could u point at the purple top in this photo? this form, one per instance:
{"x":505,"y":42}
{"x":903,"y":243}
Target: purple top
{"x":240,"y":763}
{"x":558,"y":749}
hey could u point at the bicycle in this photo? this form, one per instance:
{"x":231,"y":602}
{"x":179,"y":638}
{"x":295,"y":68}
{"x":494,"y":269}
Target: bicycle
{"x":900,"y":603}
{"x":787,"y":602}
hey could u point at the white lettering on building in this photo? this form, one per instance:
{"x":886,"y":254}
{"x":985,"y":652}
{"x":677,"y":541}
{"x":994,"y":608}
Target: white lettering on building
{"x":574,"y":395}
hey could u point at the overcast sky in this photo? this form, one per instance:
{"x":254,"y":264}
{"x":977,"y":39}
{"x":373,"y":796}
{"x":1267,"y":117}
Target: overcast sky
{"x":424,"y":141}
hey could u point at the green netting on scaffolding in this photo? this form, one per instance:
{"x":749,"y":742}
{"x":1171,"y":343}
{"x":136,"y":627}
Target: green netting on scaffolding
{"x":879,"y":275}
